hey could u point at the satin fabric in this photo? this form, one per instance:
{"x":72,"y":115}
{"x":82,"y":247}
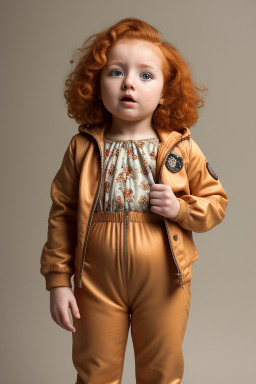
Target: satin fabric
{"x":74,"y":194}
{"x":141,"y":291}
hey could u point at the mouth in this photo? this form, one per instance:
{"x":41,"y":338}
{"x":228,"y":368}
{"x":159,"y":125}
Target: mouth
{"x":128,"y":98}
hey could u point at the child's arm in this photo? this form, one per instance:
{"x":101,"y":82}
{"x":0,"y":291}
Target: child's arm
{"x":58,"y":252}
{"x":206,"y":205}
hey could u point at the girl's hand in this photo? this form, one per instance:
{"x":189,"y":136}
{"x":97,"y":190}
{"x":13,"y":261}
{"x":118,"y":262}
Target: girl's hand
{"x":163,"y":201}
{"x":61,"y":298}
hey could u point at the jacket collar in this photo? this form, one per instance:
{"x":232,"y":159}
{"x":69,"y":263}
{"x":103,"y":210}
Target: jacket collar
{"x":167,"y":139}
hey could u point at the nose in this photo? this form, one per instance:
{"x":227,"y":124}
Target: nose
{"x":128,"y":82}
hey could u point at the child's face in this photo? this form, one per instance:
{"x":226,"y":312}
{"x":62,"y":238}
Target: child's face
{"x":138,"y":65}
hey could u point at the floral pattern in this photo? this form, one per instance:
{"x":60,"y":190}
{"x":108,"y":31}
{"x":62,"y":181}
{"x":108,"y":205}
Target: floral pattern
{"x":129,"y":171}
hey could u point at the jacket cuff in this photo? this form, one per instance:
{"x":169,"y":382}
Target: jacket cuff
{"x":59,"y":279}
{"x":183,"y":212}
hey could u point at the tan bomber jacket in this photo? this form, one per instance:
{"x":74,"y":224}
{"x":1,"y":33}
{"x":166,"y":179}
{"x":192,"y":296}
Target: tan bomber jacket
{"x":75,"y":191}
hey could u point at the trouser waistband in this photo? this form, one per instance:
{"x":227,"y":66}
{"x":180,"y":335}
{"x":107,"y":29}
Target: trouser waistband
{"x":139,"y":217}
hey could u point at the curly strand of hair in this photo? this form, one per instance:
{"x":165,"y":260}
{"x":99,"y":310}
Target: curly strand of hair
{"x":182,"y":96}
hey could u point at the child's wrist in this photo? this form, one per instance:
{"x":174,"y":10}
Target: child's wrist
{"x":177,"y":210}
{"x":183,"y":211}
{"x":57,"y":279}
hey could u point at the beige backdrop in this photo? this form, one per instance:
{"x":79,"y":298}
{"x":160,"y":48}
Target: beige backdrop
{"x":217,"y":38}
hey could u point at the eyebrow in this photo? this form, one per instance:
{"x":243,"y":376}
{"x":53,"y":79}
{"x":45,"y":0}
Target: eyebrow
{"x":140,"y":65}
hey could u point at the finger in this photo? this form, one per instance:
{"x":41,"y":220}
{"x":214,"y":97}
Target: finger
{"x":160,"y":198}
{"x":58,"y":319}
{"x":163,"y":203}
{"x":157,"y":210}
{"x":159,"y":187}
{"x":74,"y":307}
{"x":163,"y":211}
{"x":65,"y":320}
{"x":157,"y":202}
{"x":156,"y":195}
{"x":161,"y":194}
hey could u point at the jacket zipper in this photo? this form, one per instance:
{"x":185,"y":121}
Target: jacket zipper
{"x":179,"y":273}
{"x":167,"y":230}
{"x":92,"y":212}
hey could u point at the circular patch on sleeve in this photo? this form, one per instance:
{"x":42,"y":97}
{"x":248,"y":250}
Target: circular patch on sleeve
{"x":173,"y":162}
{"x":211,"y":171}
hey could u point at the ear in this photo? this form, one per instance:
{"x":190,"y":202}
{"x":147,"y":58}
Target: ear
{"x":161,"y":101}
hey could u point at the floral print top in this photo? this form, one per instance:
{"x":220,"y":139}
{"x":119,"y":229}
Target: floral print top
{"x":129,"y":171}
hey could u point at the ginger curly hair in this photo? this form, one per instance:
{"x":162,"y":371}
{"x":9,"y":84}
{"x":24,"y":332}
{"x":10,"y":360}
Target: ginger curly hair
{"x":181,"y":94}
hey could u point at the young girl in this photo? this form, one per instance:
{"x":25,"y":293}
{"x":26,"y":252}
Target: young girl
{"x":132,"y":187}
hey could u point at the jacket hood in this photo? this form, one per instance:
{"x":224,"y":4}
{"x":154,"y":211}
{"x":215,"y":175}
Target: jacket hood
{"x":167,"y":138}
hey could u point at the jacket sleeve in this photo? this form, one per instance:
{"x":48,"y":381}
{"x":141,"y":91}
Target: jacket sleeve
{"x":58,"y":251}
{"x":205,"y":206}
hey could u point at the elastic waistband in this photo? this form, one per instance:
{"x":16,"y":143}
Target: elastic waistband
{"x":139,"y":217}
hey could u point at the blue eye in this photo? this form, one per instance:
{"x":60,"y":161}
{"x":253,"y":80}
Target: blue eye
{"x":143,"y":74}
{"x":115,"y":70}
{"x":147,"y":73}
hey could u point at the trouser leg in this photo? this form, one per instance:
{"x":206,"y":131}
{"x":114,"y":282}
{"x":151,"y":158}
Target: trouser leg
{"x":159,"y":308}
{"x":99,"y":342}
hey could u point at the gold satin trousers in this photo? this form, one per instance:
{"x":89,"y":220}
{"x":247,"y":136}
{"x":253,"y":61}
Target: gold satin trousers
{"x":129,"y":278}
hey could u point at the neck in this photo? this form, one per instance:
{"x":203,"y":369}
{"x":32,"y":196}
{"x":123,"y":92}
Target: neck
{"x":125,"y":129}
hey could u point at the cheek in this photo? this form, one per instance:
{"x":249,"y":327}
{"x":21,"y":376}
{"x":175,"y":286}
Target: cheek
{"x":108,"y":87}
{"x":150,"y":95}
{"x":109,"y":95}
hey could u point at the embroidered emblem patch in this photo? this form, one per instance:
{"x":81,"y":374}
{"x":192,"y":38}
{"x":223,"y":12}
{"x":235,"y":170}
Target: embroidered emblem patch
{"x":174,"y":162}
{"x":211,"y":171}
